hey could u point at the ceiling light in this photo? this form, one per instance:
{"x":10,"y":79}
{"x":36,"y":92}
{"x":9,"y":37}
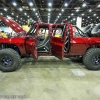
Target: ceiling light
{"x":60,"y":14}
{"x":94,"y":14}
{"x":12,"y":13}
{"x":97,"y":17}
{"x":68,"y":16}
{"x":65,"y":4}
{"x":14,"y":3}
{"x":9,"y":17}
{"x":49,"y":9}
{"x":98,"y":6}
{"x":17,"y":16}
{"x":28,"y":16}
{"x":82,"y":14}
{"x":88,"y":16}
{"x":62,"y":10}
{"x":30,"y":3}
{"x":5,"y":9}
{"x":36,"y":13}
{"x":73,"y":18}
{"x":90,"y":10}
{"x":84,"y":5}
{"x":20,"y":9}
{"x":72,"y":14}
{"x":49,"y":4}
{"x":25,"y":13}
{"x":77,"y":10}
{"x":49,"y":14}
{"x":34,"y":9}
{"x":1,"y":13}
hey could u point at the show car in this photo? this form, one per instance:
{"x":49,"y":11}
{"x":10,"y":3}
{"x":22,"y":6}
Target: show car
{"x":59,"y":40}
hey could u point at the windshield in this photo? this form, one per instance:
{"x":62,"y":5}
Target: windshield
{"x":32,"y":31}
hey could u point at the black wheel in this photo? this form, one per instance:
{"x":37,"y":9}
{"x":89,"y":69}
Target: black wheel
{"x":92,"y":59}
{"x":9,"y":60}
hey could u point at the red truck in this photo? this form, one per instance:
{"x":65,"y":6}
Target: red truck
{"x":59,"y":40}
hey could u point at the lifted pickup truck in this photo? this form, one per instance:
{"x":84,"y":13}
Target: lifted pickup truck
{"x":59,"y":40}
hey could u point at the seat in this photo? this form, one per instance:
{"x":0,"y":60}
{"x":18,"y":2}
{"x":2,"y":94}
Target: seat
{"x":87,"y":30}
{"x":96,"y":31}
{"x":44,"y":46}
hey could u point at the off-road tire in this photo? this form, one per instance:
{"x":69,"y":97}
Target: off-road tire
{"x":15,"y":60}
{"x":89,"y":59}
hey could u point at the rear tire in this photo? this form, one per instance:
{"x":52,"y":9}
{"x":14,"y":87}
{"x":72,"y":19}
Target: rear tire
{"x":92,"y":59}
{"x":9,"y":60}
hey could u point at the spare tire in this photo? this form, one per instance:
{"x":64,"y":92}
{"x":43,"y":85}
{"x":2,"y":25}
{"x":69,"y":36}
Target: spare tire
{"x":96,"y":31}
{"x":87,"y":30}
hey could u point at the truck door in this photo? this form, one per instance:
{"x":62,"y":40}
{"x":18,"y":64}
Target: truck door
{"x":58,"y":40}
{"x":31,"y":41}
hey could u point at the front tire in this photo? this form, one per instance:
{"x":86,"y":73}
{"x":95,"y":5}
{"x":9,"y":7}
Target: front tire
{"x":9,"y":60}
{"x":92,"y":59}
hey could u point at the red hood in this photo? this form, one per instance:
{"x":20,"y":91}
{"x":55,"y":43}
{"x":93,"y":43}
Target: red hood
{"x":14,"y":25}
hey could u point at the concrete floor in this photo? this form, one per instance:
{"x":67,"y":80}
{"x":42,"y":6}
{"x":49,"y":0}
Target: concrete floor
{"x":50,"y":79}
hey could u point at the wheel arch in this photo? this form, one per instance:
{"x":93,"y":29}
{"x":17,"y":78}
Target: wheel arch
{"x":12,"y":46}
{"x":94,"y":46}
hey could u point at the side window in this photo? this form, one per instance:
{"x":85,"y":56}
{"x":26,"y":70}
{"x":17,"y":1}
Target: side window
{"x":58,"y":31}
